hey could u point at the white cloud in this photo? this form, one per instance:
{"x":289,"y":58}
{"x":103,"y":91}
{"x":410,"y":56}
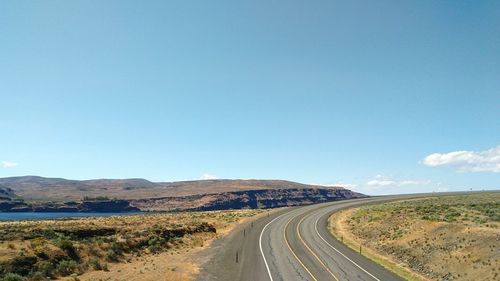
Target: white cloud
{"x":9,"y":164}
{"x":335,"y":184}
{"x":414,"y":182}
{"x":380,"y":181}
{"x":467,"y":161}
{"x":208,"y":177}
{"x":345,"y":185}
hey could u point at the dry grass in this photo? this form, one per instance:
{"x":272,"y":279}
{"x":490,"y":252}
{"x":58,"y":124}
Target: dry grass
{"x":136,"y":247}
{"x":439,"y":238}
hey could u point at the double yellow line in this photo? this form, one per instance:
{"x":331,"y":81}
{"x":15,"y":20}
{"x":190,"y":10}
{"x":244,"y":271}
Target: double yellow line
{"x":308,"y":248}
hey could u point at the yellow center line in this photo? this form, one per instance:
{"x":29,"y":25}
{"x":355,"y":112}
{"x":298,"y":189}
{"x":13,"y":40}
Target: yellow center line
{"x":320,"y":261}
{"x":297,"y":258}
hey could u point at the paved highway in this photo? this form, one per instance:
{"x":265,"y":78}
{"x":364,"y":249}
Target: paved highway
{"x":293,"y":244}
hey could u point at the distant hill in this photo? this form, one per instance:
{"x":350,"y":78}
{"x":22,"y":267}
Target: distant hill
{"x":6,"y":192}
{"x":58,"y":189}
{"x":144,"y":194}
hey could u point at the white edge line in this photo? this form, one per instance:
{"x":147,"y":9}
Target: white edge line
{"x":260,"y":245}
{"x":317,"y":232}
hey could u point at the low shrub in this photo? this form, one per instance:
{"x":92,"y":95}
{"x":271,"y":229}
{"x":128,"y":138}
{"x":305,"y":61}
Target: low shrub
{"x":45,"y":267}
{"x":67,"y":267}
{"x":117,"y":248}
{"x":38,"y":276}
{"x":65,"y":245}
{"x":21,"y":265}
{"x":12,"y":277}
{"x":37,"y":242}
{"x":95,"y":264}
{"x":111,"y":256}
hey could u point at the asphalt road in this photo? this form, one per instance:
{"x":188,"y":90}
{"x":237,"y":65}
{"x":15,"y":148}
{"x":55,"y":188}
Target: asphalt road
{"x":293,"y":244}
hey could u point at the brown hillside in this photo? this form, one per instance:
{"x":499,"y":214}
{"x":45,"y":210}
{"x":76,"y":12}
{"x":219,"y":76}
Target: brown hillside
{"x":58,"y":189}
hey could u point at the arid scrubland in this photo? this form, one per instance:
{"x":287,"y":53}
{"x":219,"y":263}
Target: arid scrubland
{"x":134,"y":247}
{"x":436,"y":238}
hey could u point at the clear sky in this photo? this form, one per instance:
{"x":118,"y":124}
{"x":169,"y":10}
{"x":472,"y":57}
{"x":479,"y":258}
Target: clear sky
{"x":359,"y":93}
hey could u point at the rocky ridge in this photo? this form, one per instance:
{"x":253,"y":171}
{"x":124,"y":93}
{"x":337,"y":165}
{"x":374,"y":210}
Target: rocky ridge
{"x":37,"y":194}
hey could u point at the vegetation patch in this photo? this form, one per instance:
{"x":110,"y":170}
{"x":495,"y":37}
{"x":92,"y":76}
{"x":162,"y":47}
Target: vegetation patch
{"x":52,"y":249}
{"x":436,"y":238}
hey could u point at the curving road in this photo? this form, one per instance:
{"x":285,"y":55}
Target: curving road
{"x":293,"y":244}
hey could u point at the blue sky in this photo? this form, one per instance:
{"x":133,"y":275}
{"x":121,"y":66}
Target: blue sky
{"x":357,"y":93}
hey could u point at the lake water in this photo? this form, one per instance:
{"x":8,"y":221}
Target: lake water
{"x":44,"y":216}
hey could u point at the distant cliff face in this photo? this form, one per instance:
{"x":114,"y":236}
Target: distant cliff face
{"x":85,"y":206}
{"x":246,"y":199}
{"x":276,"y":198}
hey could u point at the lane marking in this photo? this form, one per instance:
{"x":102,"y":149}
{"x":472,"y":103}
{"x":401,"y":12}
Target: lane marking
{"x":295,"y":255}
{"x":324,"y":240}
{"x":310,"y":250}
{"x":260,"y":245}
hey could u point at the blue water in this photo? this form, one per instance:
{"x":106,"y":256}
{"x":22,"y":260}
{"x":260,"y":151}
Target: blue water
{"x":44,"y":216}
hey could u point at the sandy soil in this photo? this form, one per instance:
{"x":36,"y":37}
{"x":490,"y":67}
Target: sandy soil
{"x":178,"y":266}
